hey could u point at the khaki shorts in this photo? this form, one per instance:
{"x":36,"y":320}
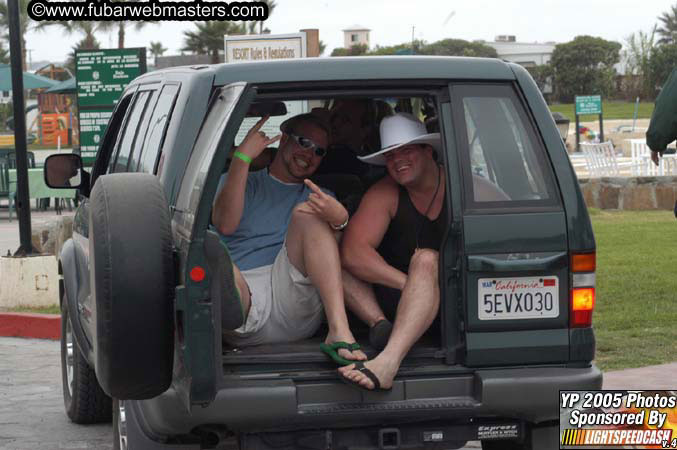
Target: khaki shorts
{"x":285,"y":306}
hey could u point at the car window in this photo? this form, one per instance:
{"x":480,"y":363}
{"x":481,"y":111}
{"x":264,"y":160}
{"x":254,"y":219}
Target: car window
{"x":504,"y":161}
{"x":157,"y":128}
{"x":137,"y":148}
{"x":121,"y":159}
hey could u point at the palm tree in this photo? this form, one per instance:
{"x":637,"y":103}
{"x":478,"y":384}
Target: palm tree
{"x":88,"y":42}
{"x":25,"y":23}
{"x":86,"y":28}
{"x":4,"y":54}
{"x":156,"y":49}
{"x":271,"y":6}
{"x":668,"y":29}
{"x":207,"y":39}
{"x":121,"y":26}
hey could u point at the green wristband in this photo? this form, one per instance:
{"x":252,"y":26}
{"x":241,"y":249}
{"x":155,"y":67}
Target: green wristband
{"x":243,"y":157}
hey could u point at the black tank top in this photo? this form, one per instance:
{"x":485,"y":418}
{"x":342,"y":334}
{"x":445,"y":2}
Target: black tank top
{"x":399,"y":241}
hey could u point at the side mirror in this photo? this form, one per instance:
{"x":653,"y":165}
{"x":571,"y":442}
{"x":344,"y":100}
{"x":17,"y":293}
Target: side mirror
{"x":63,"y":171}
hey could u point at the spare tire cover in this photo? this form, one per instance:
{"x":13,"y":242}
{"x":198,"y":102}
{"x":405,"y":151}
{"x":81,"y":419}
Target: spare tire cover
{"x":132,"y":281}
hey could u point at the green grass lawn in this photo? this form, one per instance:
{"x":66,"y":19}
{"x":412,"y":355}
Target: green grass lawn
{"x":610,"y":110}
{"x":635,"y":316}
{"x":38,"y":310}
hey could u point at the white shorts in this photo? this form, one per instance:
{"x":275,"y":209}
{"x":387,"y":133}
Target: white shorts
{"x":285,"y":306}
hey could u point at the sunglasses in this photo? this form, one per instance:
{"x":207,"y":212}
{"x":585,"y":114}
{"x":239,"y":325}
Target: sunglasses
{"x":308,"y":144}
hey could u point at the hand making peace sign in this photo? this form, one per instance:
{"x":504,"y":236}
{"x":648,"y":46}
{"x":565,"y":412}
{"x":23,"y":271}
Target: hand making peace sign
{"x":324,"y":205}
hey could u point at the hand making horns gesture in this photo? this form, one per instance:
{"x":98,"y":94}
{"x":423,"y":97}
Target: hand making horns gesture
{"x":323,"y":205}
{"x":256,"y":140}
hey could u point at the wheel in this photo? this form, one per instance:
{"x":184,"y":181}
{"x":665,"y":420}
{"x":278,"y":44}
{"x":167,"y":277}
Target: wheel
{"x":119,"y":425}
{"x":83,"y":398}
{"x":132,"y":283}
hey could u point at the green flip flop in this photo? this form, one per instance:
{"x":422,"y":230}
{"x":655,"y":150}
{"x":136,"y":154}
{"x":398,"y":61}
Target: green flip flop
{"x":331,"y":350}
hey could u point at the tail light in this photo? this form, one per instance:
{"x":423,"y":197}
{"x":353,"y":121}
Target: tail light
{"x":582,"y":301}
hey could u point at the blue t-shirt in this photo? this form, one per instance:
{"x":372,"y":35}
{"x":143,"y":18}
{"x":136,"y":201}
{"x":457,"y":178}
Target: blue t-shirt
{"x":268,"y":205}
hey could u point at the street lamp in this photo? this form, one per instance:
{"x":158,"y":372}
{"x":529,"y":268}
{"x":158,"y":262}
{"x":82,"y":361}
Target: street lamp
{"x":562,"y":123}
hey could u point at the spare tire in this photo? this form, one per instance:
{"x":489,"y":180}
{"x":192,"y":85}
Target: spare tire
{"x":132,"y":281}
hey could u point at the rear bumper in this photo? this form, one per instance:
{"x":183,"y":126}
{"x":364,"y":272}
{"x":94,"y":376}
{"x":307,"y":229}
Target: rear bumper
{"x":529,"y":394}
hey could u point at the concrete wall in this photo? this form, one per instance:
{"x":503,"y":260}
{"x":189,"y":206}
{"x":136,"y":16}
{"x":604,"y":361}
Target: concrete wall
{"x":31,"y":281}
{"x":34,"y":281}
{"x":640,"y":193}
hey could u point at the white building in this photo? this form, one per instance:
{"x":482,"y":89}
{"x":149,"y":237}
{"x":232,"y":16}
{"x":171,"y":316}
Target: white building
{"x":523,"y":53}
{"x":356,"y":35}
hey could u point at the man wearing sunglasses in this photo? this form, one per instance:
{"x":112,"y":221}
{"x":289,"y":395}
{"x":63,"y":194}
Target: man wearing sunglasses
{"x":279,"y":229}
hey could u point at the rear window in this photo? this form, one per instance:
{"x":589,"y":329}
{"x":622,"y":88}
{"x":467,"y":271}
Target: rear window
{"x":504,"y":162}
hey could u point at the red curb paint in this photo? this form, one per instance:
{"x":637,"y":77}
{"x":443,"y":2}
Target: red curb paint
{"x":39,"y":326}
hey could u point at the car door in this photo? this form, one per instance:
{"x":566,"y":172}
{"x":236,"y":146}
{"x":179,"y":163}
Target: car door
{"x":198,"y":350}
{"x":515,"y":270}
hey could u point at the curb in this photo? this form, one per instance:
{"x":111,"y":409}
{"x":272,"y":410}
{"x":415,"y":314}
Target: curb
{"x":27,"y":325}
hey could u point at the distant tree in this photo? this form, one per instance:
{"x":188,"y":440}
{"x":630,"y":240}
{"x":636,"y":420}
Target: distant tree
{"x":25,"y":23}
{"x":584,"y":66}
{"x":89,"y":42}
{"x":542,"y":75}
{"x":668,"y":28}
{"x":459,"y":47}
{"x":156,"y":49}
{"x":355,"y":50}
{"x":323,"y":47}
{"x":637,"y":55}
{"x":85,"y":28}
{"x":122,"y":25}
{"x":271,"y":7}
{"x":663,"y":61}
{"x":4,"y":54}
{"x":207,"y":38}
{"x":406,"y":48}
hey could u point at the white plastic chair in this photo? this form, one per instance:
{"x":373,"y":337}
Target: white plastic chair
{"x":601,"y":160}
{"x":641,"y":156}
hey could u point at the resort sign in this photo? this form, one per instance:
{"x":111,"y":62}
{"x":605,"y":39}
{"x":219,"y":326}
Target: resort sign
{"x":101,"y":77}
{"x":267,"y":47}
{"x":264,"y":47}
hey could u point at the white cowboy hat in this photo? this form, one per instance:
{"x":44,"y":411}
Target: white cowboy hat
{"x":399,"y":130}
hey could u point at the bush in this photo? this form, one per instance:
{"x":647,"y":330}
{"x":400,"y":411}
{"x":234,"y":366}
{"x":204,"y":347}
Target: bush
{"x":584,"y":66}
{"x":663,"y":61}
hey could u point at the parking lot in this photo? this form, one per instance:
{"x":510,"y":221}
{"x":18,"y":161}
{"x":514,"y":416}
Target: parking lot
{"x":32,"y":416}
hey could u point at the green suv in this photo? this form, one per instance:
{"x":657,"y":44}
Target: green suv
{"x":143,"y":275}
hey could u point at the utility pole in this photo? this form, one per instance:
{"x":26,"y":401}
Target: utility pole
{"x":412,"y":40}
{"x":22,"y":204}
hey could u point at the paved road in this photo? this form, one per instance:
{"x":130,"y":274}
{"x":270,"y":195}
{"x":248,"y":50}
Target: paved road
{"x":32,"y":415}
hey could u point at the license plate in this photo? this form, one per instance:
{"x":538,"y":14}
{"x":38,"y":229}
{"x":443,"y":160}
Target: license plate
{"x":518,"y":298}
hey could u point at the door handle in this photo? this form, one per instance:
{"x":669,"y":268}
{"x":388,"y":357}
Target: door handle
{"x":490,"y":263}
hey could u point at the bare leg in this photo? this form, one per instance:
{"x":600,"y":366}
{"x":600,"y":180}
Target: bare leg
{"x":361,"y":300}
{"x":312,"y":249}
{"x":416,"y":311}
{"x":243,"y":290}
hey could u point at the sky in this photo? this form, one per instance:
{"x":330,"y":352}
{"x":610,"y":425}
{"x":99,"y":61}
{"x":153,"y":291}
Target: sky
{"x":391,"y":22}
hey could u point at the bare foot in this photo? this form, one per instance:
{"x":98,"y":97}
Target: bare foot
{"x":380,"y":367}
{"x":355,"y":355}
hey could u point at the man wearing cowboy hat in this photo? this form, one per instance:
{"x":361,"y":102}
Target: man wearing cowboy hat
{"x":279,"y":229}
{"x":391,"y":249}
